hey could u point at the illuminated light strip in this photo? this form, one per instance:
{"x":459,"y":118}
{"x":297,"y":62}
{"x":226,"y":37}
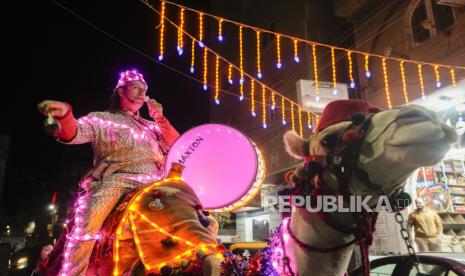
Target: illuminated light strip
{"x":404,"y":84}
{"x":386,"y":84}
{"x":260,"y":176}
{"x":220,"y":29}
{"x":292,"y":117}
{"x":333,"y":66}
{"x":217,"y":80}
{"x":317,"y":120}
{"x":181,"y":33}
{"x":283,"y":110}
{"x":296,"y":51}
{"x":241,"y":64}
{"x":309,"y":120}
{"x":205,"y":69}
{"x":259,"y":70}
{"x":367,"y":68}
{"x":315,"y":72}
{"x":278,"y":51}
{"x":436,"y":74}
{"x":263,"y":107}
{"x":162,"y":29}
{"x":452,"y":77}
{"x":201,"y":30}
{"x":137,"y":241}
{"x":230,"y":74}
{"x":301,"y":130}
{"x":273,"y":100}
{"x":192,"y":70}
{"x":351,"y":75}
{"x":252,"y":97}
{"x":422,"y":85}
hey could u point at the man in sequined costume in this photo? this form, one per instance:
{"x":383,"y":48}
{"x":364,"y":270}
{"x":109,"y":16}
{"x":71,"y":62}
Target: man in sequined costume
{"x":129,"y":152}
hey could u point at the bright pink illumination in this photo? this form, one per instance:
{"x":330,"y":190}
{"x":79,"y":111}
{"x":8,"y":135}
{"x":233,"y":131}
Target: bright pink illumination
{"x":221,"y":163}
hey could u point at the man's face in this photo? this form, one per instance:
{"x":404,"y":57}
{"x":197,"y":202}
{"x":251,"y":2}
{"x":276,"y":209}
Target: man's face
{"x":420,"y":203}
{"x":133,"y":95}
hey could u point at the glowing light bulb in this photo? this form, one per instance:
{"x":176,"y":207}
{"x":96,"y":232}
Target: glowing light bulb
{"x":284,"y":122}
{"x":278,"y":65}
{"x":254,"y":114}
{"x":264,"y":125}
{"x":201,"y":44}
{"x":296,"y":59}
{"x":205,"y":87}
{"x":217,"y":101}
{"x":241,"y":98}
{"x":368,"y":74}
{"x":317,"y":98}
{"x":192,"y":70}
{"x":335,"y":92}
{"x":259,"y":75}
{"x":220,"y":38}
{"x":230,"y":81}
{"x":160,"y":57}
{"x":241,"y":80}
{"x":352,"y":84}
{"x":423,"y":98}
{"x":438,"y":84}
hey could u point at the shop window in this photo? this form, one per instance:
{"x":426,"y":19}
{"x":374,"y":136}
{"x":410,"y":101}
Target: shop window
{"x":429,"y":18}
{"x":387,"y":269}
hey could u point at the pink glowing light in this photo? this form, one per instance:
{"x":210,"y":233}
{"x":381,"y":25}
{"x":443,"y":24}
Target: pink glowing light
{"x":220,"y":163}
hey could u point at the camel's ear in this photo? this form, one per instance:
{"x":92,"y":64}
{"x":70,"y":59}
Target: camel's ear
{"x":296,"y":146}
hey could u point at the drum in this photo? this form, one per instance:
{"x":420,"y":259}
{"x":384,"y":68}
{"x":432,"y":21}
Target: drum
{"x":222,"y":165}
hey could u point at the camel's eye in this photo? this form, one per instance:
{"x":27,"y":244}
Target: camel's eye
{"x":330,"y":140}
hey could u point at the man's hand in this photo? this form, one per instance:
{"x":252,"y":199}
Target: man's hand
{"x":54,"y":108}
{"x":155,"y":109}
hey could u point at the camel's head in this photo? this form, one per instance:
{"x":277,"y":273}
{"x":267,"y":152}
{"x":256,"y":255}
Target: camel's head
{"x":395,"y":143}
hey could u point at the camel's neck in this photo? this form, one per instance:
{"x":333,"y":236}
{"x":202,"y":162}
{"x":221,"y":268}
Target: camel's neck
{"x":310,"y":229}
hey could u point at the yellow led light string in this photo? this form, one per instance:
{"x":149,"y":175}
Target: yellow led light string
{"x":180,"y":47}
{"x":252,"y":97}
{"x":317,"y":120}
{"x":452,"y":77}
{"x":278,"y":51}
{"x":404,"y":84}
{"x":351,"y":75}
{"x":230,"y":74}
{"x":333,"y":66}
{"x":241,"y":65}
{"x":283,"y":110}
{"x":296,"y":51}
{"x":259,"y":69}
{"x":192,"y":70}
{"x":273,"y":100}
{"x":386,"y":84}
{"x":263,"y":106}
{"x":205,"y":69}
{"x":367,"y":68}
{"x":220,"y":29}
{"x":422,"y":85}
{"x":292,"y":117}
{"x":201,"y":30}
{"x":315,"y":73}
{"x":217,"y":80}
{"x":436,"y":74}
{"x":309,"y":120}
{"x":301,"y":130}
{"x":162,"y":29}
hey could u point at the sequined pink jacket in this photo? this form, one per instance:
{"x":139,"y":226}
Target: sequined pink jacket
{"x":122,"y":144}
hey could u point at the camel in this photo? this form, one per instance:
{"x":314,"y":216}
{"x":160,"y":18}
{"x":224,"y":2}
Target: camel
{"x":392,"y":144}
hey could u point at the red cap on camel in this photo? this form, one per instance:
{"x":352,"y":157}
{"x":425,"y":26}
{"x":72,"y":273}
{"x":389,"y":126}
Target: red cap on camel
{"x":341,"y":110}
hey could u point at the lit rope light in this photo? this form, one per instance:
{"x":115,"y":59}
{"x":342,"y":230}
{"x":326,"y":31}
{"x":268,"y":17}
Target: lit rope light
{"x":351,"y":75}
{"x":333,"y":65}
{"x":292,"y":117}
{"x":230,"y":74}
{"x":192,"y":69}
{"x":386,"y":84}
{"x":201,"y":30}
{"x":315,"y":72}
{"x":205,"y":69}
{"x":181,"y":33}
{"x":404,"y":84}
{"x":436,"y":74}
{"x":259,"y":69}
{"x":263,"y":106}
{"x":278,"y":51}
{"x":422,"y":85}
{"x":301,"y":130}
{"x":241,"y":88}
{"x":241,"y":64}
{"x":283,"y":111}
{"x":309,"y":120}
{"x":252,"y":97}
{"x":296,"y":51}
{"x":217,"y":80}
{"x":367,"y":67}
{"x":162,"y":29}
{"x":452,"y":77}
{"x":220,"y":29}
{"x":273,"y":100}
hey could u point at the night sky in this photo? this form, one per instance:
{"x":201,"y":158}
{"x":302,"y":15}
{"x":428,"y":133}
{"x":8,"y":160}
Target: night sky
{"x":54,"y":55}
